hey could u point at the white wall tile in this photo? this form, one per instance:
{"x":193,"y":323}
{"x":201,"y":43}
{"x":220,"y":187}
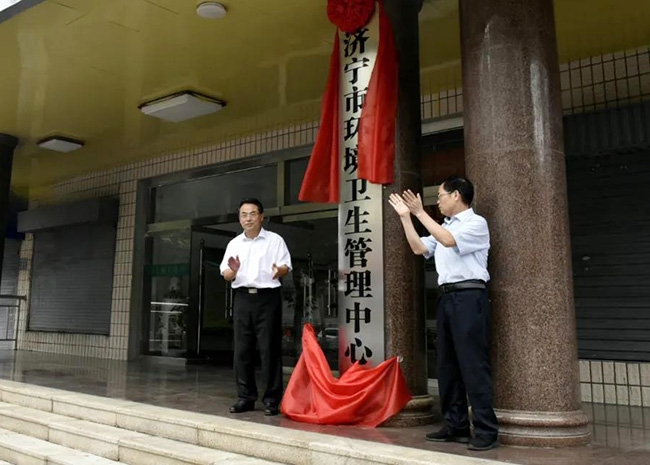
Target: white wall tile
{"x":610,"y":393}
{"x":598,"y":393}
{"x":620,"y":370}
{"x":622,"y":395}
{"x":645,"y":374}
{"x":633,"y":374}
{"x":645,"y":395}
{"x":635,"y":396}
{"x":585,"y":371}
{"x":608,"y":372}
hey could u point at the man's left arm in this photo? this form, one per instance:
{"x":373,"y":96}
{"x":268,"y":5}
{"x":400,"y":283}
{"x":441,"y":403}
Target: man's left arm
{"x":472,"y":236}
{"x":442,"y":235}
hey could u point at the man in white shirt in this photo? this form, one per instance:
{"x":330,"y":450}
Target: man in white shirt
{"x":254,"y":262}
{"x":460,"y":249}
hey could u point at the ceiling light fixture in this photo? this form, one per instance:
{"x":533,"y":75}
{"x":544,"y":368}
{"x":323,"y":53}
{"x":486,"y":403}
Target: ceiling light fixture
{"x":60,"y":144}
{"x":211,"y":10}
{"x":181,"y":106}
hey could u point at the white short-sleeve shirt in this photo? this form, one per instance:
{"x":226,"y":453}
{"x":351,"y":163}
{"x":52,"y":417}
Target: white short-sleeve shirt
{"x":257,"y":257}
{"x":468,"y":258}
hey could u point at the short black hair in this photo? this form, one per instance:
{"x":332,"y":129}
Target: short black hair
{"x":253,"y":201}
{"x":464,"y":187}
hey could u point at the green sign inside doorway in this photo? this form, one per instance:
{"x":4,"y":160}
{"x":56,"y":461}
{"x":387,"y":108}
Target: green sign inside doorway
{"x":171,"y":269}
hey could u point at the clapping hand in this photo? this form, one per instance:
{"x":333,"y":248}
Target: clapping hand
{"x":234,"y":263}
{"x":276,"y":271}
{"x":396,"y":201}
{"x":413,"y":202}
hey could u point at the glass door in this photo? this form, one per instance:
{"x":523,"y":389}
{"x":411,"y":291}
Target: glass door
{"x":166,"y":289}
{"x":210,"y":305}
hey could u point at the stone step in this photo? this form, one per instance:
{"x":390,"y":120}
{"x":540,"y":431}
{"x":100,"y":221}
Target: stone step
{"x":149,"y":450}
{"x":111,"y":442}
{"x":28,"y":421}
{"x":93,"y":438}
{"x":186,"y":429}
{"x":20,"y":449}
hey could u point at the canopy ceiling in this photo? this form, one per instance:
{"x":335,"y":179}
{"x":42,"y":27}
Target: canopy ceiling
{"x":81,"y":68}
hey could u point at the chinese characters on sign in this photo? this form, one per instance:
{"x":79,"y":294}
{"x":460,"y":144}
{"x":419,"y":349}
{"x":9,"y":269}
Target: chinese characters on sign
{"x":361,"y":275}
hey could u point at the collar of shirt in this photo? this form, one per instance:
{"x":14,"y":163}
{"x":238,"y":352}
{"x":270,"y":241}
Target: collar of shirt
{"x":261,"y":235}
{"x":462,"y":216}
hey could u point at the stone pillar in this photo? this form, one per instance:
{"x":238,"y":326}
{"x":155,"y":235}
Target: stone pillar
{"x":404,"y":272}
{"x":7,"y":145}
{"x":515,"y":156}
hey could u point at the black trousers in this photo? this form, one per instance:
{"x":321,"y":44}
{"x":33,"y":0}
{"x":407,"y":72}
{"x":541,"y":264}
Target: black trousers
{"x":257,"y":320}
{"x":464,"y":361}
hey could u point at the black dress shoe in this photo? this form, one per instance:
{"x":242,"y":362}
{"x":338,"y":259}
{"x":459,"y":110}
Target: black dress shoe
{"x":271,"y":410}
{"x":242,"y":406}
{"x":483,"y":443}
{"x":446,"y":435}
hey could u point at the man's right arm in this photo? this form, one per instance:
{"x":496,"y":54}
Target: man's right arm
{"x":412,"y":236}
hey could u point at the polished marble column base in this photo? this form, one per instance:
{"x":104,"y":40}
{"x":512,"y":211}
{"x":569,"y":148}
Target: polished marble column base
{"x":418,"y":412}
{"x":543,"y":429}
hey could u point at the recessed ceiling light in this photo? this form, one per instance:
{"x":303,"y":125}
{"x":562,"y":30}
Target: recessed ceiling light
{"x":60,"y":144}
{"x":211,"y":10}
{"x":182,"y":106}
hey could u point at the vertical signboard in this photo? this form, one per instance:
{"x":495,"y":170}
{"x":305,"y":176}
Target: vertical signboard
{"x":361,"y":271}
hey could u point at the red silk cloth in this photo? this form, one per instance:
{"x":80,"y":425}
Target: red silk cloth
{"x":362,"y":396}
{"x":376,"y":137}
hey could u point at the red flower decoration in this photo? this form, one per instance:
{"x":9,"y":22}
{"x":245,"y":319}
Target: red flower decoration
{"x":350,"y":15}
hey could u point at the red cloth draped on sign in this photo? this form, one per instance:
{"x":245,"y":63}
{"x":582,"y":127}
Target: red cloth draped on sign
{"x":321,"y":181}
{"x":365,"y":397}
{"x":376,"y":151}
{"x":376,"y":142}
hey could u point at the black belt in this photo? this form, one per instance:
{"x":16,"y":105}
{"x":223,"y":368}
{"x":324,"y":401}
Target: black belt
{"x":462,"y":285}
{"x":256,"y":290}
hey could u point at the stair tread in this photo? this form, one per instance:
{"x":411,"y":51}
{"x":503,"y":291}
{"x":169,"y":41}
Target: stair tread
{"x":184,"y":451}
{"x":12,"y":443}
{"x":117,"y":436}
{"x":96,"y":430}
{"x":26,"y":413}
{"x":67,"y":424}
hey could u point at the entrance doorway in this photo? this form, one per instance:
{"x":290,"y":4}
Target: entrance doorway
{"x":210,"y":315}
{"x":191,"y":305}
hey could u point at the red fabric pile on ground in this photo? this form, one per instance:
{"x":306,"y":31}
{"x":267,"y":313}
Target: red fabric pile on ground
{"x":365,"y":397}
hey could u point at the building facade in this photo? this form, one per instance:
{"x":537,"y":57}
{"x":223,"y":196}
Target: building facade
{"x":119,"y":263}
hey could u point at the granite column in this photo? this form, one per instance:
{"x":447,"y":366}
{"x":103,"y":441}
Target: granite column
{"x":515,"y":156}
{"x":404,"y":272}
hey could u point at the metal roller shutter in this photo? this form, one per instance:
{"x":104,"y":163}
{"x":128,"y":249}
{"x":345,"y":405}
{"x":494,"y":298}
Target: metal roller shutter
{"x":610,"y":233}
{"x":72,"y":279}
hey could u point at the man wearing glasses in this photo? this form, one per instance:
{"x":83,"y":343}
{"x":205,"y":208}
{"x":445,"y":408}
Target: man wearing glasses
{"x":460,"y":249}
{"x":254,"y":262}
